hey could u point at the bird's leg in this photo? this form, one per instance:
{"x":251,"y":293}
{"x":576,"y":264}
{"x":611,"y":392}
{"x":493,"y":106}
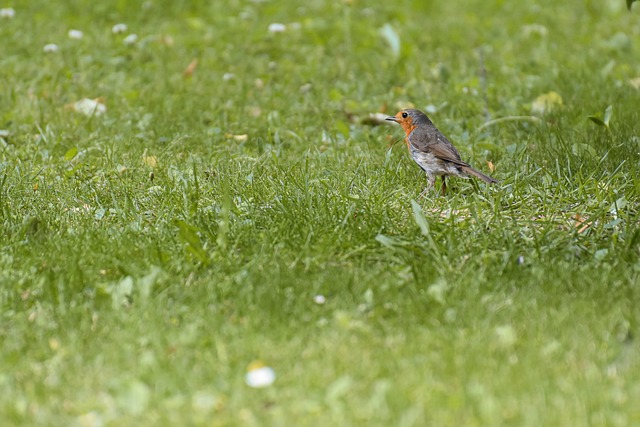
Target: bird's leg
{"x":431,"y":180}
{"x":444,"y":185}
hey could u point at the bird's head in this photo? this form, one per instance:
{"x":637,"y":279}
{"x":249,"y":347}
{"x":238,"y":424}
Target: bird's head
{"x":409,"y":119}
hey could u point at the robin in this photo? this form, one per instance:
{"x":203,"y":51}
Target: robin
{"x":432,"y":151}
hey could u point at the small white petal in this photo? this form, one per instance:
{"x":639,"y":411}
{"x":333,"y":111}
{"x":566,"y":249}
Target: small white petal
{"x":319,"y":299}
{"x":75,"y":34}
{"x":260,"y":377}
{"x":90,"y":107}
{"x":119,"y":28}
{"x":130,"y":39}
{"x":277,"y":28}
{"x":50,"y":48}
{"x":7,"y":12}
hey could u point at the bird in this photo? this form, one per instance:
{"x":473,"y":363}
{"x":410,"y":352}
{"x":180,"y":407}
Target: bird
{"x":432,"y":151}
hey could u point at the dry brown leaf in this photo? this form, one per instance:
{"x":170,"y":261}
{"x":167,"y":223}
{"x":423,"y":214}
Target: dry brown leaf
{"x":581,"y":223}
{"x":188,"y":72}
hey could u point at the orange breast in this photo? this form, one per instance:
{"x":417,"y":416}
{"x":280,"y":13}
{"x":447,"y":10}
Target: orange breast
{"x":408,"y":128}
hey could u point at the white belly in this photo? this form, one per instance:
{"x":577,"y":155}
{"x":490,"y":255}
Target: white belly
{"x":434,"y":166}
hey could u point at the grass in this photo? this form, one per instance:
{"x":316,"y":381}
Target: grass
{"x":152,"y":253}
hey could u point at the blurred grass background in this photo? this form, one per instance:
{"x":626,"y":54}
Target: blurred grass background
{"x":150,"y":254}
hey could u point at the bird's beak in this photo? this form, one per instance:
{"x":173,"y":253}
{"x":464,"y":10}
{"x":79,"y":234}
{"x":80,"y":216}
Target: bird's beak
{"x":392,"y":119}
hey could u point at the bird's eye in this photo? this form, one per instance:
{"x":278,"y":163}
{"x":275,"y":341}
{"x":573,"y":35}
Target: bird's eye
{"x":404,"y":115}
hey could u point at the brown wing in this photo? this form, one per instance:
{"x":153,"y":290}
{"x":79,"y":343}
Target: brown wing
{"x":430,"y":140}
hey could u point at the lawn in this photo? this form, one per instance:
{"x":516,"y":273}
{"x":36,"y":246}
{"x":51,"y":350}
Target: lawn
{"x":209,"y":189}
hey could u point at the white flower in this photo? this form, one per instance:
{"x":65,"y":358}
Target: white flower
{"x":130,"y":39}
{"x":319,"y":299}
{"x":228,"y":76}
{"x":90,"y":107}
{"x":277,"y":28}
{"x":119,"y":28}
{"x":7,"y":12}
{"x":75,"y":34}
{"x":50,"y":48}
{"x":260,"y":377}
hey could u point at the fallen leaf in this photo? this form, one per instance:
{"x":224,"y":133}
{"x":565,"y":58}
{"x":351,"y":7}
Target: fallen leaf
{"x":491,"y":166}
{"x":188,"y":72}
{"x":581,"y":223}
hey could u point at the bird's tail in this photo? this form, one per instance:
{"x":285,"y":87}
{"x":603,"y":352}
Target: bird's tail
{"x":486,"y":178}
